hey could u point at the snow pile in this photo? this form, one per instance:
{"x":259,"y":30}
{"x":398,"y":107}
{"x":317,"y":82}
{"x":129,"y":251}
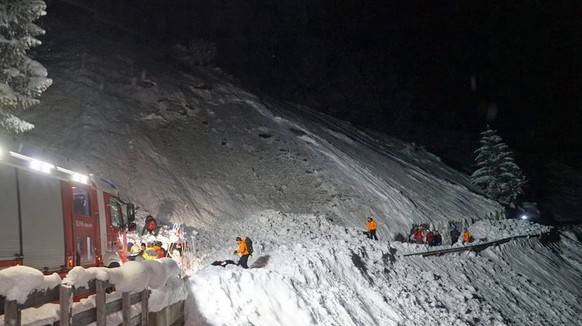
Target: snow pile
{"x":162,"y":276}
{"x":132,"y":276}
{"x":80,"y":277}
{"x":17,"y":282}
{"x":489,"y":230}
{"x":308,"y":271}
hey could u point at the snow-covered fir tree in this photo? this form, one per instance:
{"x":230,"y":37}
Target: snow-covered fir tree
{"x":497,"y":174}
{"x":22,"y":80}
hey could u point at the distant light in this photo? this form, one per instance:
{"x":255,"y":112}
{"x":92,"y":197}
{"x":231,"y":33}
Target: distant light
{"x":524,"y":217}
{"x":41,"y":166}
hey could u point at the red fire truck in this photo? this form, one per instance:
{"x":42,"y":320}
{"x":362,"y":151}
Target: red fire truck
{"x":54,"y":217}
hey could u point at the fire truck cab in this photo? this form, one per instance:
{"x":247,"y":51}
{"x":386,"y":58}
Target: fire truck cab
{"x":54,"y":217}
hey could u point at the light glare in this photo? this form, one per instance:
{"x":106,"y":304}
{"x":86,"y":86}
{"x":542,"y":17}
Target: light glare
{"x":41,"y":166}
{"x":77,"y":177}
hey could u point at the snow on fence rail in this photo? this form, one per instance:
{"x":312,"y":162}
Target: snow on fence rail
{"x":146,"y":293}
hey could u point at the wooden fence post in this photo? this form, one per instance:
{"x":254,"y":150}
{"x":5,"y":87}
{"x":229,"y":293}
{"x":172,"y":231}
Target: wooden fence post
{"x":66,"y":303}
{"x":100,"y":302}
{"x":11,"y":313}
{"x":145,"y":294}
{"x":126,"y":308}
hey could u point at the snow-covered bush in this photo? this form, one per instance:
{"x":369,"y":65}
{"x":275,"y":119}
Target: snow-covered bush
{"x":497,"y":174}
{"x":22,"y":80}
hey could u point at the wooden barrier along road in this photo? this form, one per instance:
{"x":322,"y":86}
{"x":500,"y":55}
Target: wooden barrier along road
{"x":476,"y":247}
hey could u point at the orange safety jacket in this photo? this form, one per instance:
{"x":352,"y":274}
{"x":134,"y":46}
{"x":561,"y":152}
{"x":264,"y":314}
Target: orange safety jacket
{"x":242,"y":248}
{"x":466,"y":236}
{"x":372,"y":225}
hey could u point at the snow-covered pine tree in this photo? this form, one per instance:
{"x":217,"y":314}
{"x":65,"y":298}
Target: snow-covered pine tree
{"x":22,"y":80}
{"x":497,"y":174}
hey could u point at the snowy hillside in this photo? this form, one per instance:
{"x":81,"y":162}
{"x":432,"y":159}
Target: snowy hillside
{"x":197,"y":149}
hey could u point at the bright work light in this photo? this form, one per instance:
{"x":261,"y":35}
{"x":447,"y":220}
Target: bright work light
{"x":77,"y":177}
{"x":41,"y":166}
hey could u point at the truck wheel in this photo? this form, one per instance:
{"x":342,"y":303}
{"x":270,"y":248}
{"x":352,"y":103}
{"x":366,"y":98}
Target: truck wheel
{"x":113,"y":265}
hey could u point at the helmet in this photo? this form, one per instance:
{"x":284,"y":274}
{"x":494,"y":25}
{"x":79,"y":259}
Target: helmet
{"x":238,"y":239}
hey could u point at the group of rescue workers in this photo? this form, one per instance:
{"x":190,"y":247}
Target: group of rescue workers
{"x":434,"y":238}
{"x":152,"y":250}
{"x":155,"y":249}
{"x":421,"y":235}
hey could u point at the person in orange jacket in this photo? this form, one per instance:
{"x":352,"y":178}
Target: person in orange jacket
{"x":372,"y":227}
{"x":466,"y":236}
{"x":243,"y":251}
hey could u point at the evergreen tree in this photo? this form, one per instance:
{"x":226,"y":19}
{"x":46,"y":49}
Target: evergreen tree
{"x":497,"y":174}
{"x":22,"y":80}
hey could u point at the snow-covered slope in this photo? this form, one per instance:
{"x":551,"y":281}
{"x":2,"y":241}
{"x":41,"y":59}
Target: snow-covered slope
{"x":307,"y":271}
{"x":195,"y":148}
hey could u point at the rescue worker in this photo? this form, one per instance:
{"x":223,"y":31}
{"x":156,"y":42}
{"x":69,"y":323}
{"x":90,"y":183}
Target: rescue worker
{"x":454,"y":235}
{"x":158,"y":247}
{"x":150,"y":252}
{"x":372,"y":227}
{"x":135,"y":252}
{"x":418,"y":235}
{"x":438,"y":239}
{"x":150,"y":226}
{"x":466,"y":236}
{"x":429,"y":238}
{"x":242,"y":249}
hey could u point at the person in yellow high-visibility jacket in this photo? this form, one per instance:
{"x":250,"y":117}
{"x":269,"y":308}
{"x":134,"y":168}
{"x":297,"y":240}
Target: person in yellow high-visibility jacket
{"x":372,"y":227}
{"x":150,"y":252}
{"x":243,"y":251}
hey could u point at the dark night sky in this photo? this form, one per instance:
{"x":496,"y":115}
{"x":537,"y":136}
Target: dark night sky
{"x":403,"y":67}
{"x":386,"y":57}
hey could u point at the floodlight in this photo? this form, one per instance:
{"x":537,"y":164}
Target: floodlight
{"x":41,"y":166}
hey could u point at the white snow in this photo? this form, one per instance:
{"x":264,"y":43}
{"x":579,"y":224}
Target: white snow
{"x":17,"y":282}
{"x":300,"y":184}
{"x":161,"y":276}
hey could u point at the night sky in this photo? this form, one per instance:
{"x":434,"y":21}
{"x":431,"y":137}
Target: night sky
{"x":401,"y":67}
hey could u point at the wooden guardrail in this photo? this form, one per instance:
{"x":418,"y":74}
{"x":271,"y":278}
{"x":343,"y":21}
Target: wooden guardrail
{"x":171,"y":315}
